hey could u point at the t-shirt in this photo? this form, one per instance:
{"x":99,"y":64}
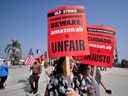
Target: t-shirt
{"x":58,"y":85}
{"x":36,"y":69}
{"x":3,"y":70}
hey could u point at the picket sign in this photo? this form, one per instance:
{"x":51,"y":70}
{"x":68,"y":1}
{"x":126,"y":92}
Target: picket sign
{"x":67,"y":31}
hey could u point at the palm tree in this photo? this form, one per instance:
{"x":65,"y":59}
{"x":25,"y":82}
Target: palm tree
{"x":14,"y":51}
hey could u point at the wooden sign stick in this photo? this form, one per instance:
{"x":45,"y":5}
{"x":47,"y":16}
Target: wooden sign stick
{"x":67,"y":66}
{"x":94,"y":72}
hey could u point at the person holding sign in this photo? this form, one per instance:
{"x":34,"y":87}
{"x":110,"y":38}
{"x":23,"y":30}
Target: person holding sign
{"x":85,"y":84}
{"x":98,"y":78}
{"x":67,"y":36}
{"x":60,"y":84}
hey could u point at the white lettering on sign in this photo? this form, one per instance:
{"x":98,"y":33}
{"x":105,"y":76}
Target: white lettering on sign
{"x":67,"y":30}
{"x":69,"y":11}
{"x":101,"y":46}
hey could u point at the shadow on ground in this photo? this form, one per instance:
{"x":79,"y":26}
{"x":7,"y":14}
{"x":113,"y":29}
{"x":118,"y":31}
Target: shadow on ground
{"x":26,"y":86}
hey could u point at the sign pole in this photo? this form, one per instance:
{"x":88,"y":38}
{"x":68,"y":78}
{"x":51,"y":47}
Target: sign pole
{"x":94,"y":72}
{"x":67,"y":66}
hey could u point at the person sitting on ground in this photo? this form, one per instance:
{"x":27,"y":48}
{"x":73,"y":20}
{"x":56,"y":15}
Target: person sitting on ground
{"x":34,"y":78}
{"x":3,"y":73}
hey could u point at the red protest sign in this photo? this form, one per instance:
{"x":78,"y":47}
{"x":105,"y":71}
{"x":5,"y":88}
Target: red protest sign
{"x":101,"y":44}
{"x":67,"y":32}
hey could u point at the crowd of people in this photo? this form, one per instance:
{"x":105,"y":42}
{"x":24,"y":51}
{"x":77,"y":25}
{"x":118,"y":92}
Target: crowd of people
{"x":81,"y":82}
{"x":84,"y":80}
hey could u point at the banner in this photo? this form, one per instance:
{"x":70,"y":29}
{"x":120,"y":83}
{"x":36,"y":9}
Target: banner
{"x":101,"y":44}
{"x":67,"y":32}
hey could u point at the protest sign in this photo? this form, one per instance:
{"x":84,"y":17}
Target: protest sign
{"x":67,"y":32}
{"x":101,"y":44}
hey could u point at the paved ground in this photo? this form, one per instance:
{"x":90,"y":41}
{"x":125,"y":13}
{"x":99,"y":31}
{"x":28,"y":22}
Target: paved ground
{"x":17,"y":83}
{"x":115,"y":78}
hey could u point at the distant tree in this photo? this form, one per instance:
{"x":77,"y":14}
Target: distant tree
{"x":14,"y":52}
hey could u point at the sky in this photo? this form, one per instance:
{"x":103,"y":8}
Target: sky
{"x":26,"y":21}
